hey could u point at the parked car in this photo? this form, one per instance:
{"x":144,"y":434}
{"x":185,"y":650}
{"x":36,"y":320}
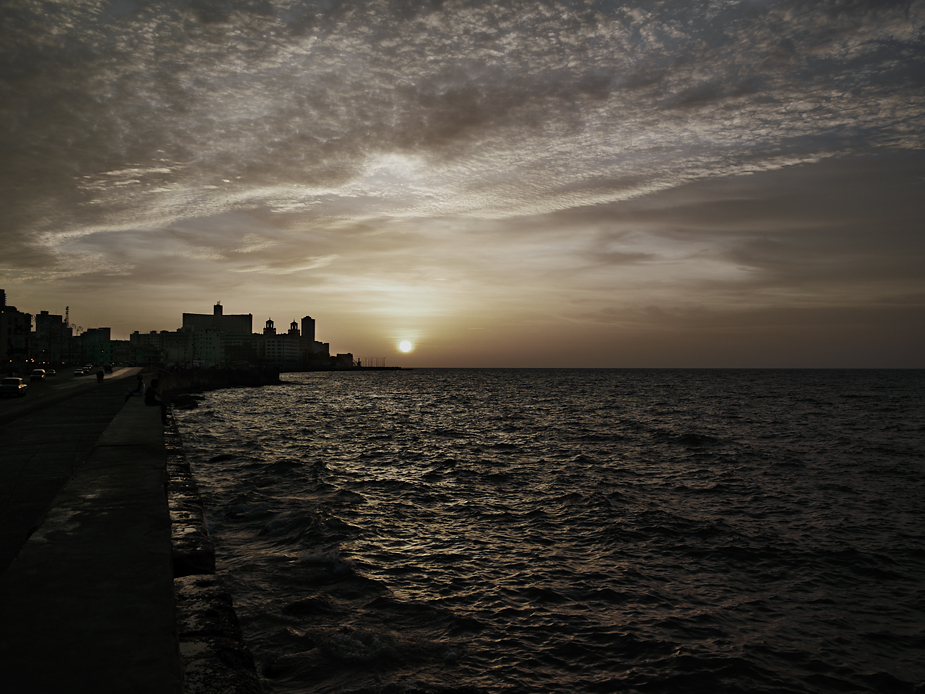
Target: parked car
{"x":13,"y":387}
{"x":37,"y":375}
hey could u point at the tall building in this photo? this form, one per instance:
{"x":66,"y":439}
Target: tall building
{"x":52,"y":338}
{"x":97,"y":345}
{"x":241,"y":324}
{"x":15,"y":331}
{"x":308,"y":329}
{"x":212,"y":339}
{"x":309,"y":344}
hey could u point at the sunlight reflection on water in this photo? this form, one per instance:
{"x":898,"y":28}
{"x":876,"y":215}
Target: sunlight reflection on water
{"x":551,"y":530}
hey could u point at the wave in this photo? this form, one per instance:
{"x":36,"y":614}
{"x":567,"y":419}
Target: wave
{"x":572,"y":531}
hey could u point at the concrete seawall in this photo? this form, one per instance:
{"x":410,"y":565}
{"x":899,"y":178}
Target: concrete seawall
{"x":213,"y":655}
{"x":115,"y":590}
{"x":189,"y":380}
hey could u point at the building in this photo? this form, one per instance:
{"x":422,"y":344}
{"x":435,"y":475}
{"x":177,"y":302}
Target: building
{"x":124,"y":352}
{"x":152,"y":340}
{"x":52,"y":339}
{"x":216,"y":339}
{"x":227,"y":340}
{"x":208,"y":347}
{"x":15,"y":334}
{"x":282,"y":352}
{"x":177,"y":348}
{"x":344,"y":361}
{"x":243,"y":349}
{"x":309,"y":344}
{"x":97,"y":346}
{"x":241,"y":324}
{"x":308,"y":330}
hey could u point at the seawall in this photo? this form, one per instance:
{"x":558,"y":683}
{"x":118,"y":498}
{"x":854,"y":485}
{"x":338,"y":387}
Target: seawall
{"x":213,"y":656}
{"x":192,"y":380}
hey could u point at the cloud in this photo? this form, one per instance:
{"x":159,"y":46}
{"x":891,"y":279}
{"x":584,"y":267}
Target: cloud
{"x":142,"y":115}
{"x":394,"y":142}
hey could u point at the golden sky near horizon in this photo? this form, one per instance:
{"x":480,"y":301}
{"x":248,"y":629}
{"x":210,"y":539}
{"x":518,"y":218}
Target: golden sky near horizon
{"x":583,"y":183}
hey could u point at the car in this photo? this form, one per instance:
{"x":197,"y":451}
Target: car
{"x":37,"y":375}
{"x":13,"y":387}
{"x":78,"y":372}
{"x":108,"y":368}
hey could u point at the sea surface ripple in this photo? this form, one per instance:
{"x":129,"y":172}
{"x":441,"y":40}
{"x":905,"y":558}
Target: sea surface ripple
{"x":573,"y":530}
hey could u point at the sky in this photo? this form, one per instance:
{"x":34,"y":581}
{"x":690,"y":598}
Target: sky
{"x":583,"y":183}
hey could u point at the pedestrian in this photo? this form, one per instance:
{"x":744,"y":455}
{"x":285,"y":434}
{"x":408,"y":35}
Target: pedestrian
{"x":139,"y":389}
{"x":153,"y":396}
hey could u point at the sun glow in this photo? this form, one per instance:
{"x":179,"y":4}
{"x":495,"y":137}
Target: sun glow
{"x":405,"y":346}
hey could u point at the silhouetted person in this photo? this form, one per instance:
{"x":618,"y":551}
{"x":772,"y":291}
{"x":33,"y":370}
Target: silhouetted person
{"x":153,"y":397}
{"x":99,"y":375}
{"x":139,"y":389}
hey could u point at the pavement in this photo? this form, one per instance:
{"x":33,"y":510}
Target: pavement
{"x":44,"y":438}
{"x":87,"y":604}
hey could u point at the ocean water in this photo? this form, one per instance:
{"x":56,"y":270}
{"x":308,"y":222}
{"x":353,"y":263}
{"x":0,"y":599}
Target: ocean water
{"x":573,"y":530}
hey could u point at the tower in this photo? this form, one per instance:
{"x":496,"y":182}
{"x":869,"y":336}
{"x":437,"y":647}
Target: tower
{"x":308,"y":329}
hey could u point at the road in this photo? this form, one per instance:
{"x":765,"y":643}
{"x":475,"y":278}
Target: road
{"x":54,"y":389}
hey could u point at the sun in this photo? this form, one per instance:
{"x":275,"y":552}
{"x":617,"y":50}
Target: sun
{"x":405,"y":346}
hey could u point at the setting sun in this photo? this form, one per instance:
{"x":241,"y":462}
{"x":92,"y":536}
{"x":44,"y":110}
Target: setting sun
{"x":405,"y":346}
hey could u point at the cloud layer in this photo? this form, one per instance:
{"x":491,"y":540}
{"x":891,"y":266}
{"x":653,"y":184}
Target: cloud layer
{"x":333,"y":145}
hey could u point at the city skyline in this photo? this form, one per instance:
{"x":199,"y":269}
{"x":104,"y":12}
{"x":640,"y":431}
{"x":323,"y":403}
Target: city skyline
{"x":601,"y":184}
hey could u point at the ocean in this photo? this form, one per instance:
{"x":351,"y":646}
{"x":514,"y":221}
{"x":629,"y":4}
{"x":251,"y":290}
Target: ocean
{"x":532,"y":530}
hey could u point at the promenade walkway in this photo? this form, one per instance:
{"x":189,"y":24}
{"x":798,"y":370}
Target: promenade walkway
{"x":44,"y":438}
{"x":87,"y":604}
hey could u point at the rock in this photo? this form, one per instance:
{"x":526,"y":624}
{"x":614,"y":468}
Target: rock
{"x":184,"y":401}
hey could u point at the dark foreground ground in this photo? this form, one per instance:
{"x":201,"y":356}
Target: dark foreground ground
{"x":44,"y":438}
{"x":86,"y":593}
{"x":107,"y":573}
